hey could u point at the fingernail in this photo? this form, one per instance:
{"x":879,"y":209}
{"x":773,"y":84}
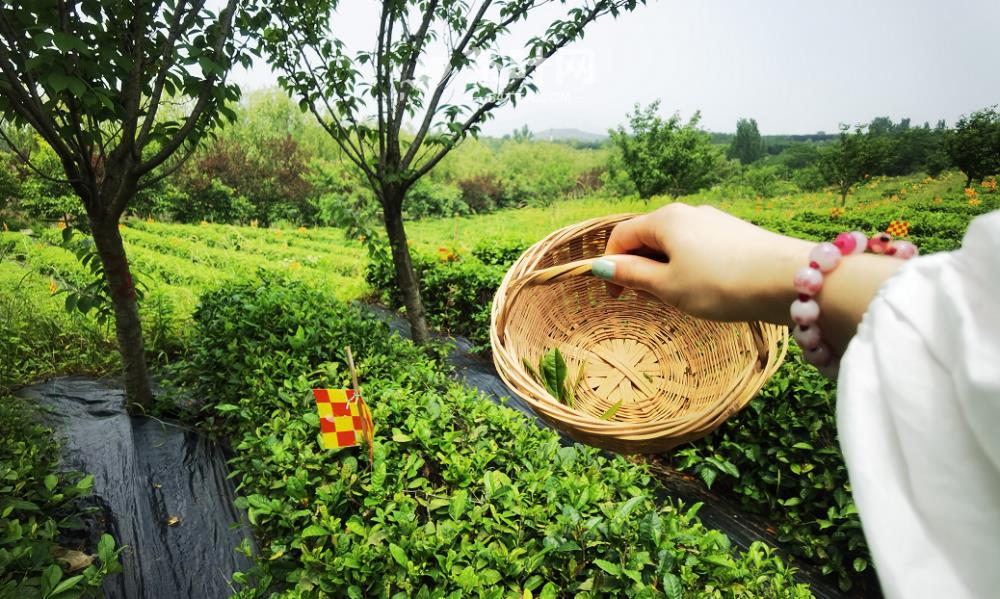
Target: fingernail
{"x":604,"y":269}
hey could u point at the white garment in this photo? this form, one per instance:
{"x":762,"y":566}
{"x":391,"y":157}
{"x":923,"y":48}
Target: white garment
{"x":918,"y":415}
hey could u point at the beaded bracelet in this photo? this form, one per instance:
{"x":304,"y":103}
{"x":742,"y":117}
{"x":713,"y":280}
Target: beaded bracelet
{"x":809,"y":281}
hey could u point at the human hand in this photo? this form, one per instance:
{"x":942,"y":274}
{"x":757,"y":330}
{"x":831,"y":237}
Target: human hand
{"x":705,"y":262}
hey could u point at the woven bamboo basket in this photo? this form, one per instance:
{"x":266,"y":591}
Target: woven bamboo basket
{"x":677,"y":377}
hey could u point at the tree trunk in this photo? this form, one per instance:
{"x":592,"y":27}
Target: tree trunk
{"x":968,"y":181}
{"x":123,"y":297}
{"x":843,"y":196}
{"x":392,"y":211}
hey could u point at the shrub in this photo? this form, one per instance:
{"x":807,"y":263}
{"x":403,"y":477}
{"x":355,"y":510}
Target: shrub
{"x":464,"y":498}
{"x":780,"y":457}
{"x":499,"y":251}
{"x":482,"y":193}
{"x":39,"y":513}
{"x":457,"y":292}
{"x":430,"y":198}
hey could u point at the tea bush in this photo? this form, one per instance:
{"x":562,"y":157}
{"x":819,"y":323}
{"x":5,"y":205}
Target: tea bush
{"x":457,"y":291}
{"x":464,"y":498}
{"x":38,"y":513}
{"x":780,"y":457}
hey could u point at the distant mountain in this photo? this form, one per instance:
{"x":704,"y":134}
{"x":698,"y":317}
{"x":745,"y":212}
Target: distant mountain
{"x":566,"y":135}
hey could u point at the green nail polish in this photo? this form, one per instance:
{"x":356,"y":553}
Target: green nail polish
{"x":604,"y":269}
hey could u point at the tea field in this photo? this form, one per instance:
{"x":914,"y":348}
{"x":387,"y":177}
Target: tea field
{"x":464,"y":497}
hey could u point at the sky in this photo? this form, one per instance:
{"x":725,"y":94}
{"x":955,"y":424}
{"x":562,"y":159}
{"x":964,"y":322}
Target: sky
{"x":796,"y":66}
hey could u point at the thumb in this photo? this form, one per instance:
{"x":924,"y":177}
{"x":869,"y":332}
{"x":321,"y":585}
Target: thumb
{"x":627,"y":271}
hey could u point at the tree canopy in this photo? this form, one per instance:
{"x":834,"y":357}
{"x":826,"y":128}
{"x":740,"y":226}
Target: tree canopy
{"x":666,"y":156}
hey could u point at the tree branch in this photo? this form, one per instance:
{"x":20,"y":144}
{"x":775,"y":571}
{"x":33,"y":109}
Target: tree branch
{"x":168,"y":56}
{"x":208,"y":89}
{"x":513,"y":86}
{"x":441,"y":86}
{"x":411,"y":65}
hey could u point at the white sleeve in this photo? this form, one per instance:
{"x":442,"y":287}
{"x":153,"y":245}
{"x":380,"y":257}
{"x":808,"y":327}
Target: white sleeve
{"x":918,"y":416}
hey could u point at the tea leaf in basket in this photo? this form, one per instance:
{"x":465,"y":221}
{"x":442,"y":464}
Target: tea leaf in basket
{"x":531,"y":369}
{"x":570,"y":398}
{"x":612,"y":411}
{"x":552,"y":368}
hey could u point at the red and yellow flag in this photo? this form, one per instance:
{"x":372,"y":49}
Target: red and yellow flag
{"x":898,"y":228}
{"x":344,"y":419}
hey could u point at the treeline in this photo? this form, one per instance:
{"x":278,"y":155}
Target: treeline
{"x":276,"y":165}
{"x":656,"y":155}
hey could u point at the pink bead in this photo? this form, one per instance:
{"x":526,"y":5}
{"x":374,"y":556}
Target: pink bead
{"x":826,"y":256}
{"x":846,"y":243}
{"x":808,"y":280}
{"x":904,"y":249}
{"x":808,"y":337}
{"x":805,"y":312}
{"x":821,"y":355}
{"x":860,"y":242}
{"x":878,"y":244}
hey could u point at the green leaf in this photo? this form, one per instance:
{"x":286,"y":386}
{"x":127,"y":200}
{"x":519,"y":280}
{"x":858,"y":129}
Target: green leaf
{"x":612,"y":569}
{"x":50,"y":481}
{"x":398,"y":554}
{"x":50,"y":578}
{"x":314,"y":530}
{"x":106,"y":548}
{"x":860,"y":564}
{"x":531,"y":369}
{"x":708,"y":475}
{"x":67,"y":584}
{"x":802,"y":445}
{"x":628,"y":507}
{"x":457,"y":507}
{"x":672,"y":586}
{"x":552,"y":368}
{"x":549,"y":591}
{"x":610,"y":412}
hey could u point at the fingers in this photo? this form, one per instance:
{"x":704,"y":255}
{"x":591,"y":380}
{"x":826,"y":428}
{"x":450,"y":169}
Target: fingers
{"x":631,"y":235}
{"x":633,"y":272}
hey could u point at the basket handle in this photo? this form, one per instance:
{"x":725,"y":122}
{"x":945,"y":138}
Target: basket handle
{"x":559,"y":272}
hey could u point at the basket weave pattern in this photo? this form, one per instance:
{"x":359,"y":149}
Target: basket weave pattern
{"x":677,"y":377}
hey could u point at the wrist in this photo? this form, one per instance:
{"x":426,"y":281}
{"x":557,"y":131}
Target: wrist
{"x":775,"y":291}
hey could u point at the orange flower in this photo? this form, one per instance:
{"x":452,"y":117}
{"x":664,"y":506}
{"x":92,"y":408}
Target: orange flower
{"x":294,"y":265}
{"x":971,"y":193}
{"x":975,"y":201}
{"x":60,"y":225}
{"x":53,"y":287}
{"x":837,"y":212}
{"x":301,"y":229}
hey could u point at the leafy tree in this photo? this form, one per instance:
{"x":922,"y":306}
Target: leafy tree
{"x":269,"y":173}
{"x":974,"y":145}
{"x":523,"y":134}
{"x":665,"y":156}
{"x":362,"y":97}
{"x":852,"y":159}
{"x":747,"y":146}
{"x":91,"y":77}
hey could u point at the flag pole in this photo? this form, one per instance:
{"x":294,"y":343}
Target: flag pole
{"x":354,"y":373}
